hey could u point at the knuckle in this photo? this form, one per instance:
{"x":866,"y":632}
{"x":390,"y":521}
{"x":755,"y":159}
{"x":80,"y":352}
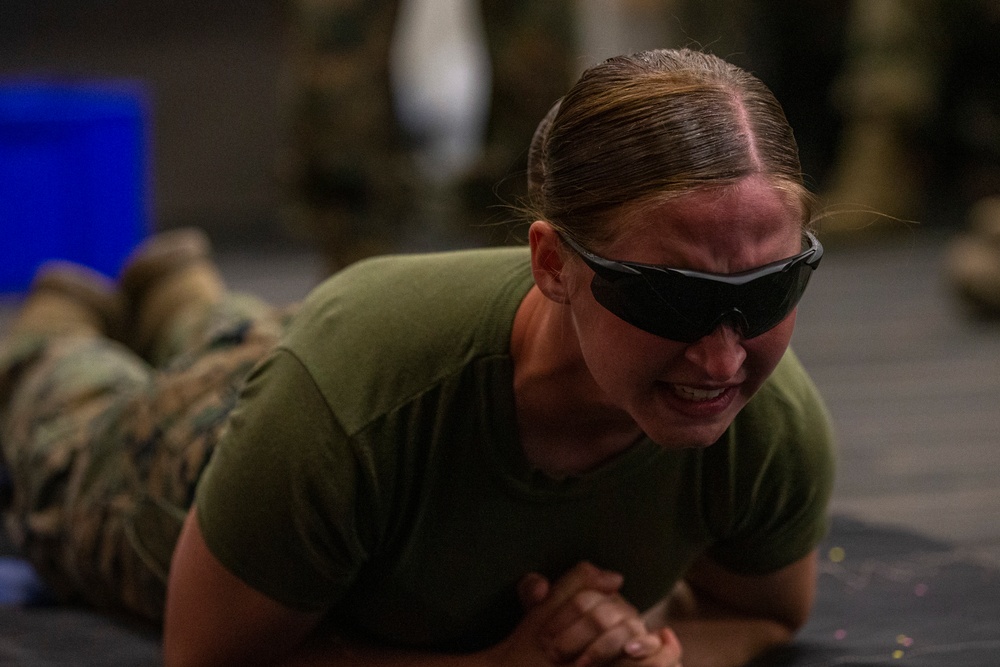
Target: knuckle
{"x":584,"y":601}
{"x":614,"y":611}
{"x":608,"y":616}
{"x":585,"y":568}
{"x":636,"y":625}
{"x":606,"y":647}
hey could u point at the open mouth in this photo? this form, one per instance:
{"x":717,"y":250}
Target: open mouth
{"x":695,"y":394}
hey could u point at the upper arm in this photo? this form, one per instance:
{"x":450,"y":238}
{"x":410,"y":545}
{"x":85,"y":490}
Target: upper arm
{"x":214,"y":618}
{"x":785,"y":596}
{"x":284,"y":502}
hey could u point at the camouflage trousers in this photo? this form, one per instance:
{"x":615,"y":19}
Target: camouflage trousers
{"x":104,"y":450}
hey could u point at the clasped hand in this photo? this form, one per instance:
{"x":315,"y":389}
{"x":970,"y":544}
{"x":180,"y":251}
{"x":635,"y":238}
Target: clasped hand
{"x":581,"y":619}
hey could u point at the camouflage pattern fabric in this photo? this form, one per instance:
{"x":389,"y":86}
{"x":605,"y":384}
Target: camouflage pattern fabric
{"x":964,"y":137}
{"x":351,"y":182}
{"x":887,"y":93}
{"x":104,"y":450}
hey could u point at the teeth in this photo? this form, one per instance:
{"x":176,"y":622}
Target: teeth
{"x":693,"y":394}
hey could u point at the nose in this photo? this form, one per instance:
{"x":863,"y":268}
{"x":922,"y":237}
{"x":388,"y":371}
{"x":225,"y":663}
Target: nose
{"x":720,"y":354}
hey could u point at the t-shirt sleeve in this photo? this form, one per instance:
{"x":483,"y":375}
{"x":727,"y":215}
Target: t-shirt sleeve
{"x":773,"y":477}
{"x":278,"y":504}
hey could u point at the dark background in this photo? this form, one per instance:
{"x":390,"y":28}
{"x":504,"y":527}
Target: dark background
{"x":213,"y":74}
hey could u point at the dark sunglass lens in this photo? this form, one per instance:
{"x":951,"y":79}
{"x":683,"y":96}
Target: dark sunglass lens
{"x":636,"y":303}
{"x":770,"y":299}
{"x":686,"y":308}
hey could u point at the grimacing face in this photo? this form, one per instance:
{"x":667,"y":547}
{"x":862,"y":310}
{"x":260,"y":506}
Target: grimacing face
{"x":687,"y":394}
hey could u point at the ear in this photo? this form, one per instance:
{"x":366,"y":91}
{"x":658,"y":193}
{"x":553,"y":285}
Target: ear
{"x":547,"y":263}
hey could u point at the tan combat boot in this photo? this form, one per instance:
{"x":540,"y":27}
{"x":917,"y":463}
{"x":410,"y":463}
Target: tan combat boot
{"x":972,"y":260}
{"x":69,"y":299}
{"x":169,"y":277}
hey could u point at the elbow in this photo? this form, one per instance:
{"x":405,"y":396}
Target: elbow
{"x":786,"y":630}
{"x":795,"y":613}
{"x":788,"y":621}
{"x":794,"y":624}
{"x":181,"y":651}
{"x":179,"y":656}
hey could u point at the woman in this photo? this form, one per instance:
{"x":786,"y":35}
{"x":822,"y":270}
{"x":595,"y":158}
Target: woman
{"x":565,"y":453}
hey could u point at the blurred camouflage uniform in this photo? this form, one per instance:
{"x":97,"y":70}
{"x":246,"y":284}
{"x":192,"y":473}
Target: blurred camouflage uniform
{"x":969,"y":158}
{"x":104,"y":449}
{"x":349,"y":173}
{"x":888,"y":95}
{"x":796,"y":47}
{"x":920,"y":99}
{"x":966,"y":136}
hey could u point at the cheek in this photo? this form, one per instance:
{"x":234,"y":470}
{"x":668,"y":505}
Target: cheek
{"x":623,"y":359}
{"x":610,"y":346}
{"x":597,"y":329}
{"x":606,"y":341}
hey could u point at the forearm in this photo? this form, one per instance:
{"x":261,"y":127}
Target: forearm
{"x":713,"y":635}
{"x":723,"y":618}
{"x":369,"y":657}
{"x":332,"y":651}
{"x":728,"y":642}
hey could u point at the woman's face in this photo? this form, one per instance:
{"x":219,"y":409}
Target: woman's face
{"x":687,"y":394}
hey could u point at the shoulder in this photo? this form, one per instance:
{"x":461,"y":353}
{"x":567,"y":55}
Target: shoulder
{"x":384,"y":329}
{"x":783,"y":433}
{"x":779,"y":450}
{"x":787,"y":409}
{"x":392,"y":292}
{"x":769,"y":480}
{"x":454,"y":271}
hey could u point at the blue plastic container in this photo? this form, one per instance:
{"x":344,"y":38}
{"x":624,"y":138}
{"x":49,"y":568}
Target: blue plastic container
{"x":73,"y":176}
{"x":20,"y":585}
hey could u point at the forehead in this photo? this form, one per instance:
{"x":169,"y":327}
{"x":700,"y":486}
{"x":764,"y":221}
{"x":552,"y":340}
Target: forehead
{"x":718,"y":229}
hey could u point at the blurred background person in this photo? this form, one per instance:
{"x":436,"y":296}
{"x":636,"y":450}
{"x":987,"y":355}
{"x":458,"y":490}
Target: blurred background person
{"x":396,"y":104}
{"x":919,"y":95}
{"x":350,"y":170}
{"x":887,"y":94}
{"x":969,"y":157}
{"x":370,"y":108}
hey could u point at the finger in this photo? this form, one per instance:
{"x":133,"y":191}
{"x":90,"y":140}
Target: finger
{"x":574,"y":609}
{"x":532,"y":589}
{"x":672,"y":652}
{"x":581,"y":577}
{"x":612,"y":645}
{"x":669,"y":638}
{"x":584,"y":618}
{"x":643,"y":643}
{"x":669,"y":653}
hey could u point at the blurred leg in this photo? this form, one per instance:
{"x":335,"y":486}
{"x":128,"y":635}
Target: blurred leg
{"x":104,"y":450}
{"x":533,"y":50}
{"x":887,"y":95}
{"x":972,"y":260}
{"x":348,"y":174}
{"x":63,"y":380}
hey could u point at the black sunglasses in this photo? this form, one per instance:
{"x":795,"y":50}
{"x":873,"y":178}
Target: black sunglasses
{"x":686,"y":306}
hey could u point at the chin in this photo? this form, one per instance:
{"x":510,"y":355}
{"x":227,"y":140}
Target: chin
{"x":699,"y":437}
{"x":676,"y":423}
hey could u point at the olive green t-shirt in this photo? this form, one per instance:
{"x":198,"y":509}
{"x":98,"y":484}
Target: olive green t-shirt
{"x":372,"y":467}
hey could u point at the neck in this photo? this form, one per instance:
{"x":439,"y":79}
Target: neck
{"x":566,"y":422}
